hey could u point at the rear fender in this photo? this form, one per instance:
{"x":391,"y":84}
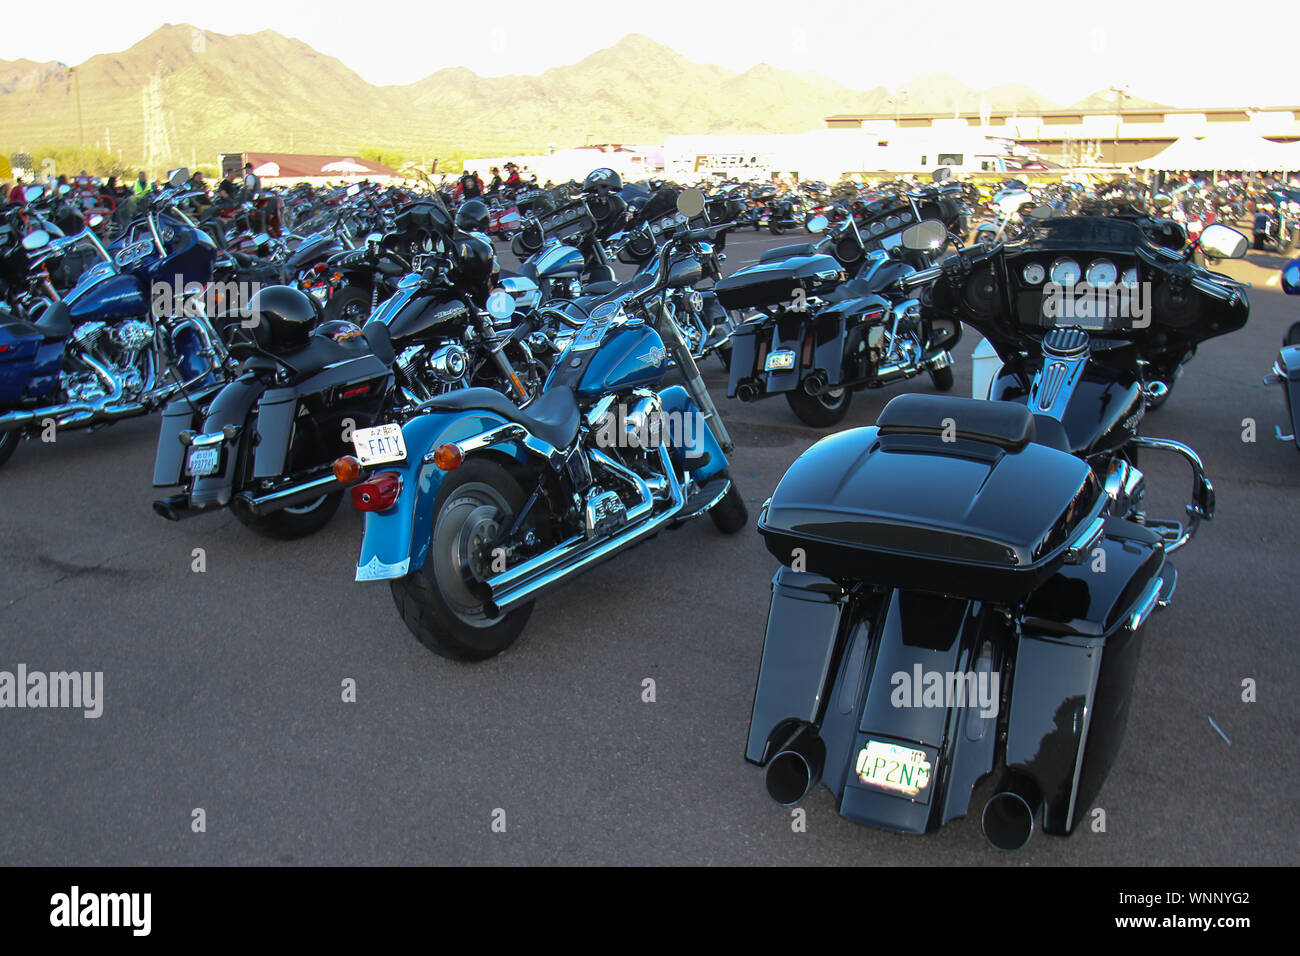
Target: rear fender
{"x":395,"y":542}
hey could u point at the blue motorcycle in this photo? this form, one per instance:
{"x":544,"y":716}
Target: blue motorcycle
{"x":130,"y":335}
{"x":475,"y":507}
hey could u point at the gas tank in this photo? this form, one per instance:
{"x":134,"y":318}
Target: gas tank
{"x":407,"y":314}
{"x":108,"y":296}
{"x":559,"y":262}
{"x":630,"y":357}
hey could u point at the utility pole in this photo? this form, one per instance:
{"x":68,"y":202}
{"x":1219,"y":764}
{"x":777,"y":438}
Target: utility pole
{"x":1120,"y":93}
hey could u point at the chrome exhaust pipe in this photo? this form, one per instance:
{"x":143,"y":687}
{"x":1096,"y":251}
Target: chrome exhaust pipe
{"x":543,"y":572}
{"x":797,"y":767}
{"x":1008,"y":818}
{"x":287,"y":497}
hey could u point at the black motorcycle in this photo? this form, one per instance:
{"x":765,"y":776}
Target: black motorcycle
{"x":964,"y":584}
{"x":816,"y":336}
{"x":264,"y":443}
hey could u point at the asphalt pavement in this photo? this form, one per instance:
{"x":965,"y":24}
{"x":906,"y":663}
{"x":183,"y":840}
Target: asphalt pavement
{"x":225,"y":661}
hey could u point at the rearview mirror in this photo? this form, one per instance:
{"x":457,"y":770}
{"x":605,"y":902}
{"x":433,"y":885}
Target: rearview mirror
{"x":942,"y":174}
{"x":37,"y":239}
{"x":690,"y":203}
{"x":1223,"y":242}
{"x":501,"y":305}
{"x":925,"y":236}
{"x":353,"y":189}
{"x":64,"y":189}
{"x":1042,"y":212}
{"x":1162,"y":201}
{"x":818,"y":224}
{"x":33,"y":193}
{"x":177,"y":177}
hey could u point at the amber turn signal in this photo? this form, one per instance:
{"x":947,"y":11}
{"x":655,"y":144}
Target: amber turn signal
{"x":347,"y":469}
{"x":448,"y":457}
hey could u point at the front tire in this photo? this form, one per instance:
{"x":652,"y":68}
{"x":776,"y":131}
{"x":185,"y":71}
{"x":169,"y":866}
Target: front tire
{"x":730,"y":514}
{"x":819,"y":411}
{"x":435,"y":602}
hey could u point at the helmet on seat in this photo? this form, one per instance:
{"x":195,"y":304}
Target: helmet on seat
{"x":282,"y":317}
{"x":472,"y":216}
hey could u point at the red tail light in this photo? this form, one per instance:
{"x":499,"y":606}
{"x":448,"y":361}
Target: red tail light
{"x":378,"y":492}
{"x":321,"y":268}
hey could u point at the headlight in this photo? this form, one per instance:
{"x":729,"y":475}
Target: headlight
{"x":1066,"y":273}
{"x":1130,"y":279}
{"x":1034,"y":273}
{"x":1102,"y":274}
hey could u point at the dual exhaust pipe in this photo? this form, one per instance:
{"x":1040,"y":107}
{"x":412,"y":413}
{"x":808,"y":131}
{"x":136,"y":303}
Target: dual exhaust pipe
{"x":1007,"y":820}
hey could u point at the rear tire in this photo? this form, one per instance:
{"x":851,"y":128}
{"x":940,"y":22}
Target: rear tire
{"x":8,"y":445}
{"x":730,"y":514}
{"x":289,"y":524}
{"x":819,"y":411}
{"x":776,"y":228}
{"x":435,"y":604}
{"x":942,"y":378}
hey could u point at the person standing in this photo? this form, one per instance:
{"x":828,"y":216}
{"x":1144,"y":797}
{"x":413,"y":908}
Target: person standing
{"x":141,"y":185}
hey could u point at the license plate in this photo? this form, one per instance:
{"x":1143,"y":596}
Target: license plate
{"x":203,"y":461}
{"x":380,"y":444}
{"x":904,"y":770}
{"x":778,"y":361}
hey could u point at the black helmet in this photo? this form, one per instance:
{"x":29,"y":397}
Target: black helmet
{"x":472,"y":216}
{"x":602,"y":180}
{"x":282,"y":317}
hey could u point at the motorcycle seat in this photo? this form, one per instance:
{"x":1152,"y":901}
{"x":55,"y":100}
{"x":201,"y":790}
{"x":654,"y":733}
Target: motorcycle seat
{"x":1005,"y":424}
{"x":55,"y":322}
{"x":552,"y":417}
{"x":789,"y":252}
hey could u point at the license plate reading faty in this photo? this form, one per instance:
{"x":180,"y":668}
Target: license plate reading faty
{"x":904,"y":769}
{"x":379,"y":444}
{"x":780,"y":360}
{"x":203,"y":461}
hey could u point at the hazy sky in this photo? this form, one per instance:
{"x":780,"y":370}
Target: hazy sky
{"x":1152,"y":47}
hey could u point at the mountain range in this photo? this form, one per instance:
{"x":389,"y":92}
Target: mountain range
{"x":191,"y":94}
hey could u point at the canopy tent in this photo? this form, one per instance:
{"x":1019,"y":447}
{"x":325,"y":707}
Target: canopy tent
{"x":1225,"y":151}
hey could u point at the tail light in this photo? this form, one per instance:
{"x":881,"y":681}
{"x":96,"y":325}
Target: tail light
{"x":379,"y":492}
{"x":320,"y":268}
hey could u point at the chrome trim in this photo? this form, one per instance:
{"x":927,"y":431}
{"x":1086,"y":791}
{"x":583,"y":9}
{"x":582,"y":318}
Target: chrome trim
{"x":1201,"y":507}
{"x":1145,"y":604}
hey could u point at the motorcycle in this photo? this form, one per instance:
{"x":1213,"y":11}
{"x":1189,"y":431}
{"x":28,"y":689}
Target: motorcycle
{"x":816,"y":336}
{"x":963,"y":585}
{"x":1275,"y":221}
{"x":1286,"y":368}
{"x":114,"y":347}
{"x":475,"y":507}
{"x":264,"y":443}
